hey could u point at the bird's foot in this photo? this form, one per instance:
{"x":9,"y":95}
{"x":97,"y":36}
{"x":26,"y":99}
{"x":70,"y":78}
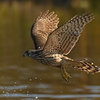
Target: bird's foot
{"x":65,"y":74}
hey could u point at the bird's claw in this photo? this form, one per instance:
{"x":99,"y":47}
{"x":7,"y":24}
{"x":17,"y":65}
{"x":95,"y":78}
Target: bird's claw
{"x":65,"y":74}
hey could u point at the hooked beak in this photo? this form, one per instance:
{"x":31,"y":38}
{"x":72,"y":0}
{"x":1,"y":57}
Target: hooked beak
{"x":24,"y":55}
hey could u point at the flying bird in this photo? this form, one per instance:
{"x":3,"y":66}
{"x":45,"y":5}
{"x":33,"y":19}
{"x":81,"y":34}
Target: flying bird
{"x":53,"y":43}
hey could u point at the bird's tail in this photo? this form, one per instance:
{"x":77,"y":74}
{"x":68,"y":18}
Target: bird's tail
{"x":83,"y":65}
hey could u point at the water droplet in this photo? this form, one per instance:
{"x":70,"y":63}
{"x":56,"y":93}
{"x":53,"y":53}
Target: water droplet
{"x":25,"y":85}
{"x":7,"y":93}
{"x":30,"y":79}
{"x":3,"y":91}
{"x":92,"y":63}
{"x":36,"y":97}
{"x":2,"y":76}
{"x":44,"y":87}
{"x":40,"y":79}
{"x":27,"y":92}
{"x":14,"y":90}
{"x":20,"y":89}
{"x":35,"y":77}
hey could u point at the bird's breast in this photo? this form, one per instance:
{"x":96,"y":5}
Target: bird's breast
{"x":53,"y":60}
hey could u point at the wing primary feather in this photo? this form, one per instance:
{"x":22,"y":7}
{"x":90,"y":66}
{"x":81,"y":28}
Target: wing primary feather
{"x":44,"y":24}
{"x":70,"y":45}
{"x":45,"y":14}
{"x":39,"y":16}
{"x":67,"y":43}
{"x":64,"y":44}
{"x":67,"y":35}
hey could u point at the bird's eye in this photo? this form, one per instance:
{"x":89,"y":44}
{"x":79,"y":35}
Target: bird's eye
{"x":29,"y":54}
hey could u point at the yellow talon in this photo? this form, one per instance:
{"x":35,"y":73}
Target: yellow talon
{"x":65,"y":74}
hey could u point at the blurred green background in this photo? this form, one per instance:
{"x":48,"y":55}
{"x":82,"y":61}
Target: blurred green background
{"x":16,"y":18}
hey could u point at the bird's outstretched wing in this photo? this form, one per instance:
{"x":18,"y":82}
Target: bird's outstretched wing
{"x":63,"y":39}
{"x":44,"y":24}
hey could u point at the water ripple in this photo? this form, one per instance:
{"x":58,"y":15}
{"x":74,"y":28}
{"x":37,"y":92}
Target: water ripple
{"x":50,"y":96}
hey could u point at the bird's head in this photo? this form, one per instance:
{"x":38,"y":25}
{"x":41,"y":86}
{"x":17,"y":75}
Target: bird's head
{"x":32,"y":53}
{"x":29,"y":53}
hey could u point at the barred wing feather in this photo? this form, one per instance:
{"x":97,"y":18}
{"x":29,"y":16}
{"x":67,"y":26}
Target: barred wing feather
{"x":63,"y":39}
{"x":44,"y":24}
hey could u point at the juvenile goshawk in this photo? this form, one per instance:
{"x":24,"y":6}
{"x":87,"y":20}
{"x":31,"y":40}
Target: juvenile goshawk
{"x":53,"y":43}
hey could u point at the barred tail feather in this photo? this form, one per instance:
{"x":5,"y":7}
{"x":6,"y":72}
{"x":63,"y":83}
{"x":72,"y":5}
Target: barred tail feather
{"x":86,"y":66}
{"x":83,"y":65}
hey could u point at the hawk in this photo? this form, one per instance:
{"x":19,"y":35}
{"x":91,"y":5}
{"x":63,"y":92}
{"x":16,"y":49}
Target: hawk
{"x":53,"y":43}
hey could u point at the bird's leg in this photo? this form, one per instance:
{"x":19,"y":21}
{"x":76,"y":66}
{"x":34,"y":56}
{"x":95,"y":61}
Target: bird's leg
{"x":65,"y":74}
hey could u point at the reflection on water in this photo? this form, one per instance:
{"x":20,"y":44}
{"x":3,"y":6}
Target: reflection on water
{"x":26,"y":79}
{"x":11,"y":91}
{"x":47,"y":96}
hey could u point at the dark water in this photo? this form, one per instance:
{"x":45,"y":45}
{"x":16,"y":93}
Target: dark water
{"x":26,"y":79}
